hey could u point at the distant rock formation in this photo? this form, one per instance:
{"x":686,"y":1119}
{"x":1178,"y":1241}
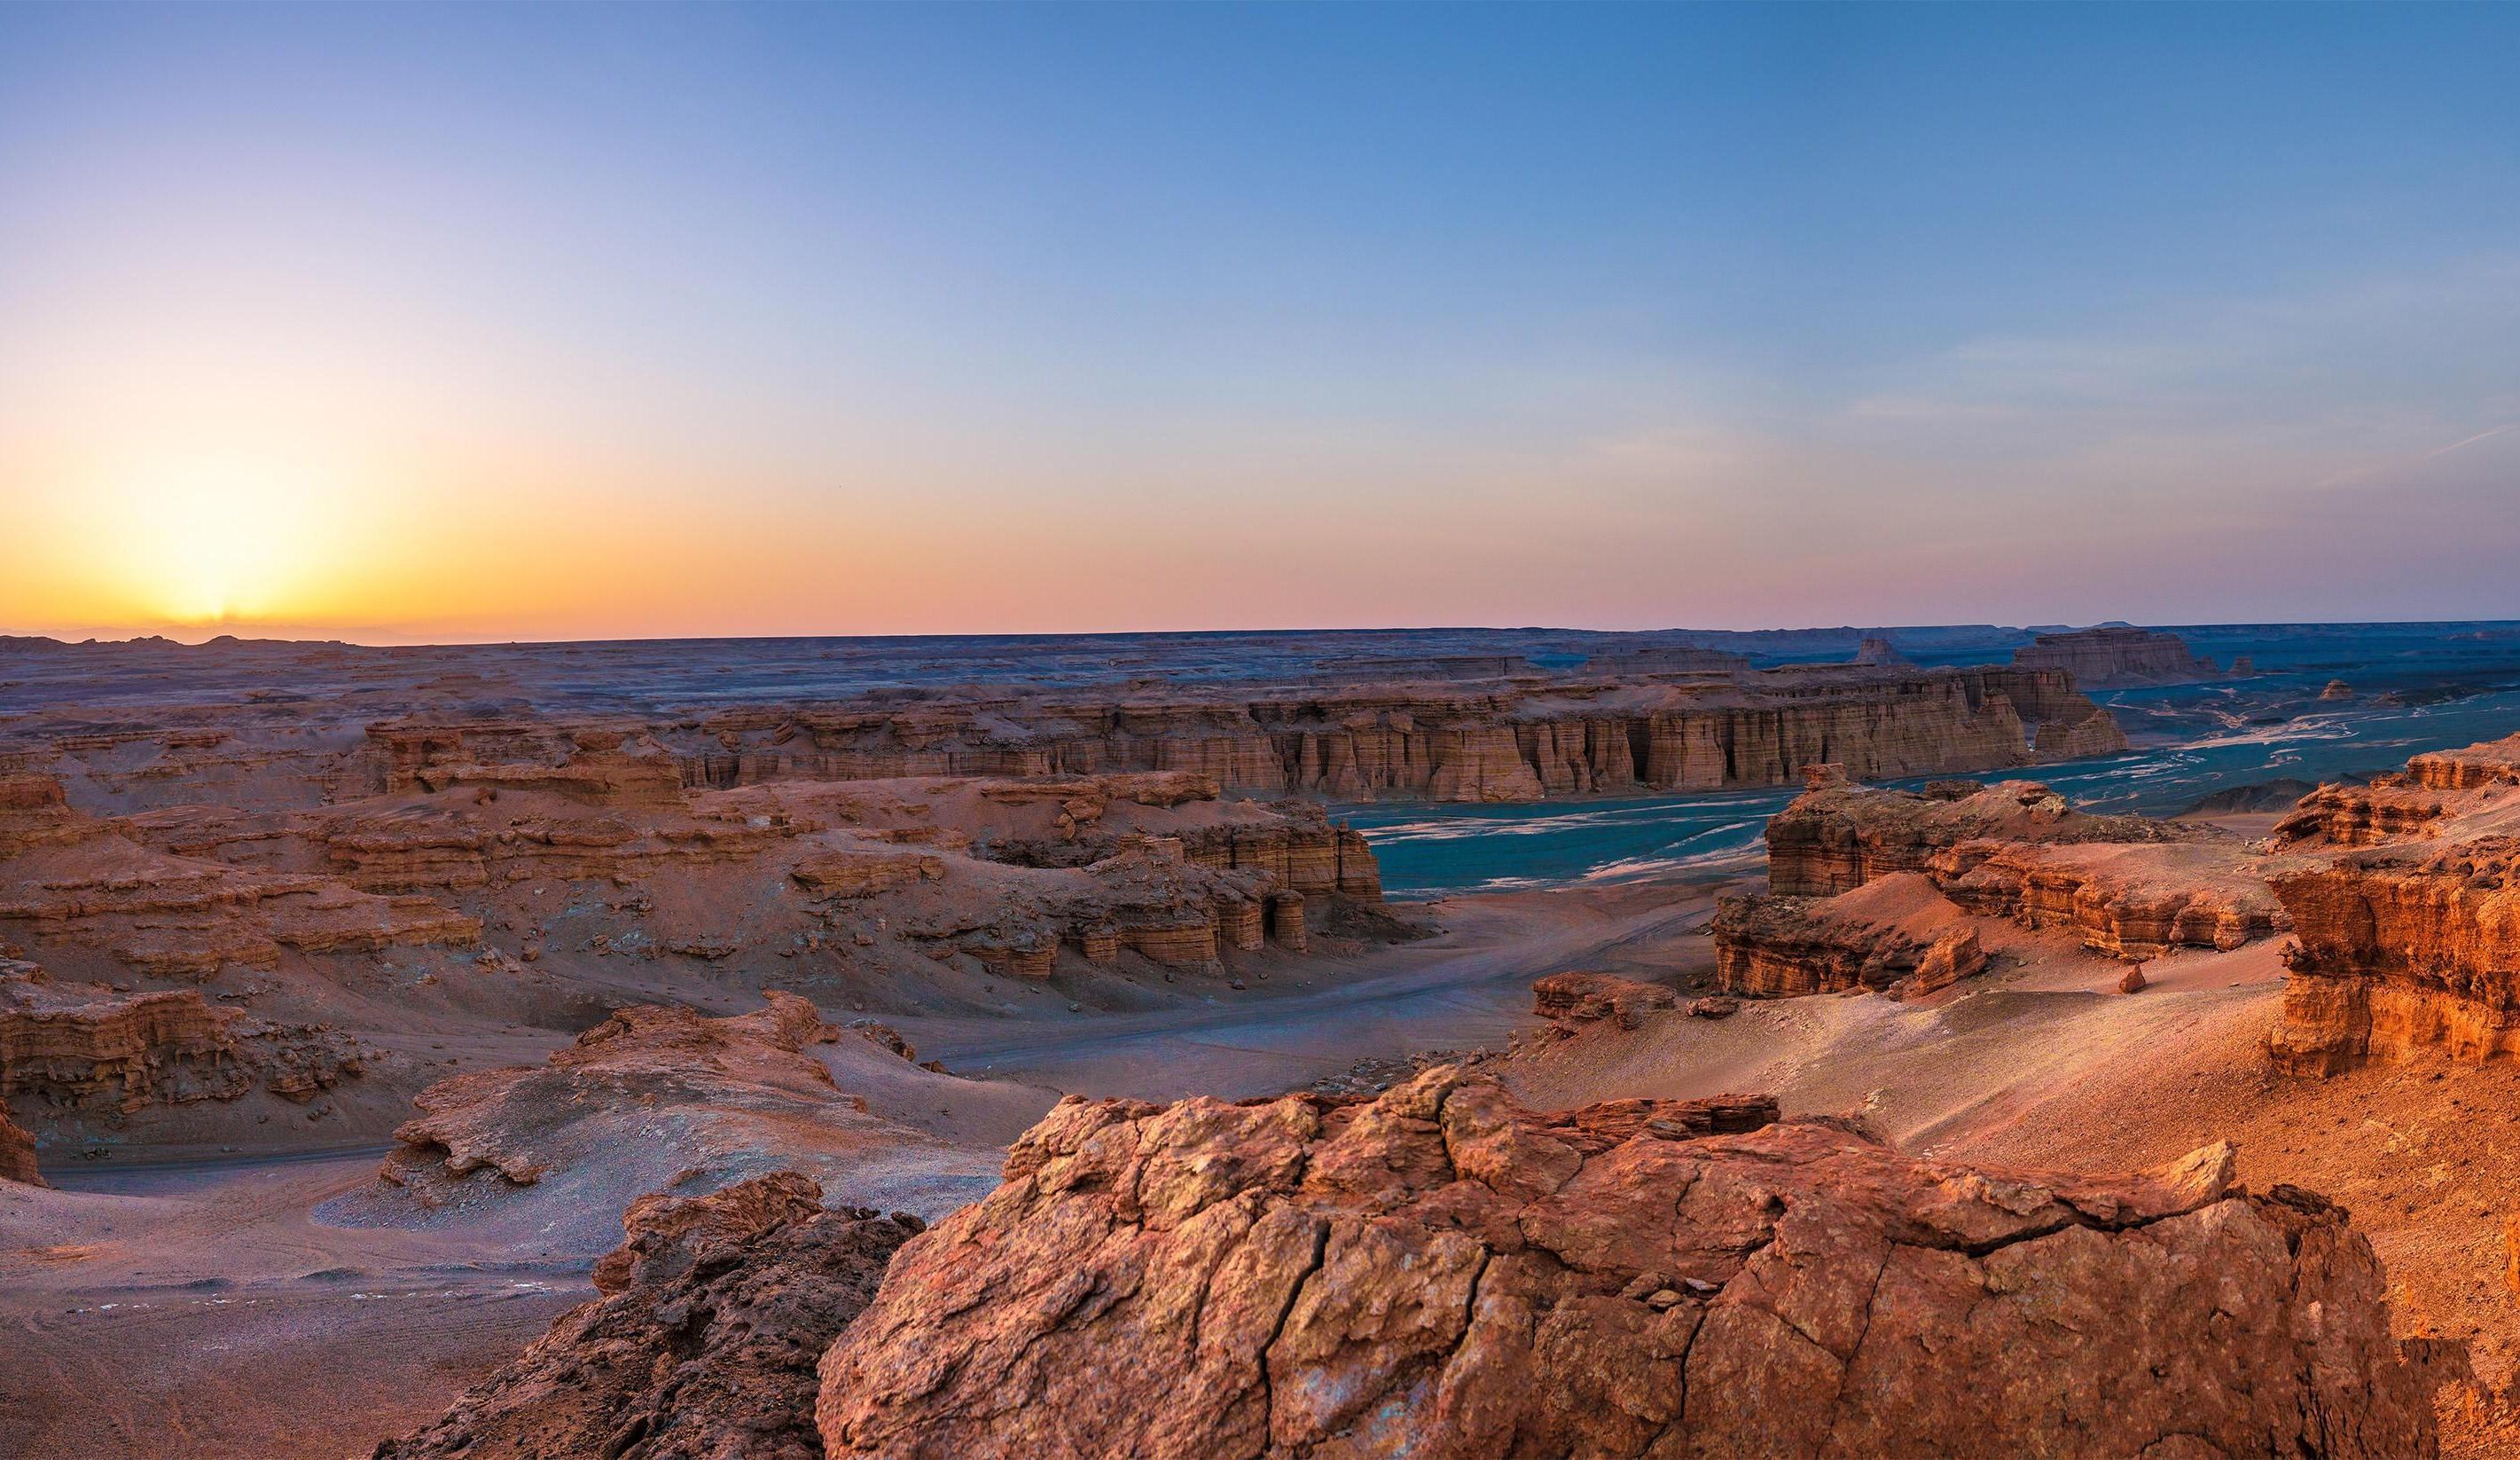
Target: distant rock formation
{"x":703,"y":1344}
{"x":1869,"y":885}
{"x":1877,"y":650}
{"x":737,"y":1092}
{"x":2337,"y":692}
{"x":2110,"y":657}
{"x":1440,"y":1272}
{"x":1444,"y":743}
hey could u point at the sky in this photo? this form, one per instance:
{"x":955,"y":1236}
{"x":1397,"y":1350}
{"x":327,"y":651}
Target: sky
{"x":496,"y":322}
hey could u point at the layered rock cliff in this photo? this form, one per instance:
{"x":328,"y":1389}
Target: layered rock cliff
{"x":2110,"y":657}
{"x":2409,"y":937}
{"x":1895,"y":936}
{"x":1445,"y":743}
{"x":87,"y":1047}
{"x":1836,"y":836}
{"x":1440,"y":1272}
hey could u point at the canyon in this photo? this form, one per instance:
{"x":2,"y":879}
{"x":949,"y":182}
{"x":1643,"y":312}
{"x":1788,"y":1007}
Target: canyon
{"x":808,"y":1058}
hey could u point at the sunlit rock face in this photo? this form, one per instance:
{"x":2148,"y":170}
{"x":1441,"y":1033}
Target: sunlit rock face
{"x":1438,"y":1272}
{"x":1836,"y":836}
{"x":2408,"y":937}
{"x":2105,"y":658}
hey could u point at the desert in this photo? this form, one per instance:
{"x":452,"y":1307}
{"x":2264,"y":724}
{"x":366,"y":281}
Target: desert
{"x":1234,"y":731}
{"x":410,"y":1003}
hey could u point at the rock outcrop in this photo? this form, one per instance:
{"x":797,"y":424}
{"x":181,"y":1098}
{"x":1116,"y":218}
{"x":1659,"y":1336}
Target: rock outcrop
{"x":1895,"y":936}
{"x":703,"y":1344}
{"x":86,"y":1047}
{"x":2409,"y":936}
{"x":1570,"y":1002}
{"x":2131,"y":900}
{"x":523,"y":1121}
{"x":17,"y":1151}
{"x":2112,"y":655}
{"x":1440,"y":1272}
{"x":1836,"y":836}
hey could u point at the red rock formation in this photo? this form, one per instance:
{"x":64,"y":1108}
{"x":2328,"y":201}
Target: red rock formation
{"x":702,"y":1344}
{"x":1439,"y":1272}
{"x":1834,"y":837}
{"x":85,"y":1046}
{"x":2133,"y":901}
{"x":16,"y":1152}
{"x":2100,"y":658}
{"x":1571,"y":1000}
{"x":2402,"y":947}
{"x":1897,"y":936}
{"x":2412,"y":938}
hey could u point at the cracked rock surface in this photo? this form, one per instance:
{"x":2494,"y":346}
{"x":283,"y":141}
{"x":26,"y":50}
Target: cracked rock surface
{"x":702,"y":1346}
{"x":1438,"y":1272}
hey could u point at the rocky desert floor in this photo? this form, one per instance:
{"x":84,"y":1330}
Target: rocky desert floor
{"x":350,"y":1004}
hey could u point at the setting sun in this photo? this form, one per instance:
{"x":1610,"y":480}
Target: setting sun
{"x":213,"y":542}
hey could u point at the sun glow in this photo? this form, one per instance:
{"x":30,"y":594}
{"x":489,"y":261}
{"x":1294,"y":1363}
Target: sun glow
{"x":211,"y":542}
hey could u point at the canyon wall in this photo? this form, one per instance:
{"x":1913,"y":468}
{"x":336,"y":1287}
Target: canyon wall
{"x":1441,"y":743}
{"x":2405,"y":897}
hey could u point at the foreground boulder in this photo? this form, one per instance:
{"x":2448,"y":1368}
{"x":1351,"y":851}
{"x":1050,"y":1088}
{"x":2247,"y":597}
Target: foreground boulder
{"x":1438,"y":1272}
{"x":703,"y":1344}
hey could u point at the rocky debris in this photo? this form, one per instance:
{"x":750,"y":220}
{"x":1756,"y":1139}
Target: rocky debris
{"x":1572,"y":1000}
{"x":2116,"y":655}
{"x":2336,"y":692}
{"x":1836,"y":836}
{"x":17,"y":1151}
{"x":2133,"y":979}
{"x":87,"y":1047}
{"x":1714,"y":1006}
{"x":703,"y":1345}
{"x":1440,"y":1272}
{"x":1894,"y":936}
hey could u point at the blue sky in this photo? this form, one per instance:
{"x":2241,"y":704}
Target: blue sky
{"x":830,"y":319}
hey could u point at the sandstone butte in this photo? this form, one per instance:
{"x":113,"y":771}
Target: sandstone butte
{"x":2113,"y":656}
{"x":1873,"y":888}
{"x":1439,"y":1272}
{"x":2408,"y":926}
